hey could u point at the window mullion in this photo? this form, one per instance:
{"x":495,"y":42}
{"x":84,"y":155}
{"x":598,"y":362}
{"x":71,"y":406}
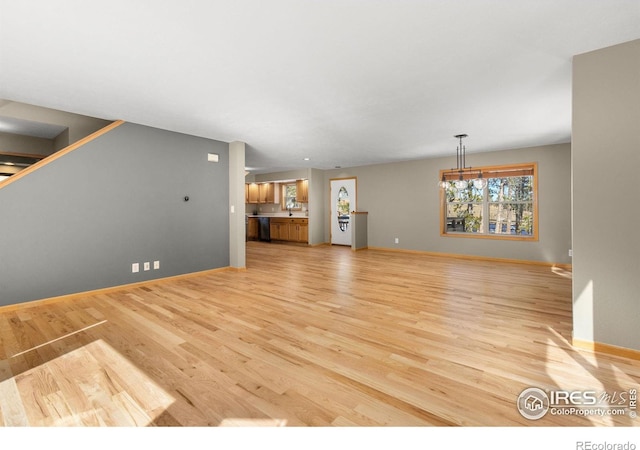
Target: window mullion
{"x":485,"y":210}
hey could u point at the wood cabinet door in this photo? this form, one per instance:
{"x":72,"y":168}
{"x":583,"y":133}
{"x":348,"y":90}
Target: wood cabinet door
{"x":253,"y":231}
{"x":254,"y":193}
{"x":298,"y":230}
{"x":302,"y":191}
{"x":303,"y":232}
{"x":293,"y":231}
{"x":267,"y":193}
{"x":279,"y":231}
{"x":283,"y":230}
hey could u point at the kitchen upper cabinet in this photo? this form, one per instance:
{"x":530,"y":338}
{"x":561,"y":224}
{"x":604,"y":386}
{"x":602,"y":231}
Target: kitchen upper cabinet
{"x":302,"y":191}
{"x":253,"y":195}
{"x":267,"y":193}
{"x":260,"y":193}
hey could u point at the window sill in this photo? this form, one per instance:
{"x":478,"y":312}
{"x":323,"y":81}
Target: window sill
{"x":501,"y":237}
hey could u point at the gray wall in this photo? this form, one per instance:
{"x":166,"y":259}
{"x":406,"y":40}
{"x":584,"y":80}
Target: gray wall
{"x":237,"y":230}
{"x":402,"y":200}
{"x":605,"y":160}
{"x":16,"y":143}
{"x":79,"y":222}
{"x":317,"y":211}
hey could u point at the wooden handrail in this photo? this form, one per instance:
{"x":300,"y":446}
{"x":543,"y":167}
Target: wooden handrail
{"x":49,"y":159}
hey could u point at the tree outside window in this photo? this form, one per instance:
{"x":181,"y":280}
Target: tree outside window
{"x":511,"y":205}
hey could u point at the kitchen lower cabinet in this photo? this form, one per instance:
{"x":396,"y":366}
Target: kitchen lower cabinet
{"x":299,"y":231}
{"x":279,"y":231}
{"x":253,"y":229}
{"x":290,"y":229}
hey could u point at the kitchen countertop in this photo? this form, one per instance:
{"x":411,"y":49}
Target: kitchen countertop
{"x":277,"y":216}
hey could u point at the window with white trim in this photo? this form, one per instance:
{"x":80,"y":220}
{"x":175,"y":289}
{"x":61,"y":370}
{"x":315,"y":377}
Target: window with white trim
{"x":289,"y":195}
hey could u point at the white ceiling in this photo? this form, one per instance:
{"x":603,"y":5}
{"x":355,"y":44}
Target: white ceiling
{"x":343,"y":82}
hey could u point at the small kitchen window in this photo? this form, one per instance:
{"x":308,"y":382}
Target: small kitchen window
{"x":506,"y":208}
{"x":289,"y":195}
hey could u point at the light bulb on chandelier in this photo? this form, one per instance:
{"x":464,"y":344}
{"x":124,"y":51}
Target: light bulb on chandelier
{"x":479,"y":183}
{"x":461,"y":184}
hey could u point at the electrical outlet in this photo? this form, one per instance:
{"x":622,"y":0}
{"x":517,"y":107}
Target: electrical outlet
{"x":397,"y":241}
{"x":156,"y":265}
{"x":147,"y":266}
{"x":570,"y":252}
{"x":135,"y":268}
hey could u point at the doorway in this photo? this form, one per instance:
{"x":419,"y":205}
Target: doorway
{"x":343,"y":201}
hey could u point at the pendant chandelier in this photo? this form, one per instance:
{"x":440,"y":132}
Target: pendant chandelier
{"x":462,"y":175}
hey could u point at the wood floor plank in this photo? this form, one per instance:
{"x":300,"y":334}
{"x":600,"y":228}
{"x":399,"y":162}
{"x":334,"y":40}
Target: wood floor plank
{"x":12,"y":408}
{"x":306,"y":336}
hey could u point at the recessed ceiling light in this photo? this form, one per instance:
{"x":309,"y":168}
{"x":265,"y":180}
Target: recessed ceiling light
{"x":306,"y":159}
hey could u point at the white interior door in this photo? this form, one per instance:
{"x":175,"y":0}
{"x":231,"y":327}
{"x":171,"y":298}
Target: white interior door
{"x":343,"y":201}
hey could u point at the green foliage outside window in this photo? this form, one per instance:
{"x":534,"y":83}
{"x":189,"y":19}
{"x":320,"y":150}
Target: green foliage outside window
{"x":504,"y":207}
{"x":289,"y":192}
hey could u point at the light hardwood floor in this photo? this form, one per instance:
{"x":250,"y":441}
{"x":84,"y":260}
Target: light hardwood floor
{"x":319,"y":336}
